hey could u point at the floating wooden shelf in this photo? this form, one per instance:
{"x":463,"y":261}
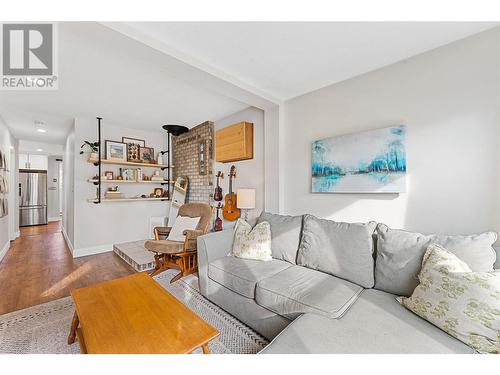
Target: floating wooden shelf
{"x":128,"y":200}
{"x":129,"y":163}
{"x":104,"y":181}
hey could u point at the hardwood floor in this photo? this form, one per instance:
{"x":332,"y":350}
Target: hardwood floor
{"x":39,"y":268}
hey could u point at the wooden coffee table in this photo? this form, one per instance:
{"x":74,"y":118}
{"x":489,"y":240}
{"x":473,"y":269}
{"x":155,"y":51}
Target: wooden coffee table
{"x":134,"y":314}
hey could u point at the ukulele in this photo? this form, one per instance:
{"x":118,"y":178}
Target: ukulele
{"x":230,"y":212}
{"x":218,"y":189}
{"x":218,"y":220}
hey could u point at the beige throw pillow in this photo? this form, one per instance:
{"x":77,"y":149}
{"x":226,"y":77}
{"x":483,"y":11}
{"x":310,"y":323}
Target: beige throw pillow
{"x":252,"y":243}
{"x":463,"y":303}
{"x":181,"y":224}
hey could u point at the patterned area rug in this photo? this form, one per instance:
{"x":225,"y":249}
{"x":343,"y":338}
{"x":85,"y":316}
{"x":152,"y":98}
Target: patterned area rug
{"x":44,"y":328}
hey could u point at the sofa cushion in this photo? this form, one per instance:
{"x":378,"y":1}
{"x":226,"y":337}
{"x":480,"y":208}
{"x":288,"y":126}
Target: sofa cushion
{"x":241,"y":275}
{"x":341,"y":249}
{"x":375,"y":324}
{"x":285,"y":235}
{"x":400,"y":253}
{"x":298,"y":290}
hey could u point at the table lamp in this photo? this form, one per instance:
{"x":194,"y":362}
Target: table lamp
{"x":245,"y":200}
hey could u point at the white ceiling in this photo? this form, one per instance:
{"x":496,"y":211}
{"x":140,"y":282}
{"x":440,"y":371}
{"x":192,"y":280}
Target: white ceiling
{"x":102,"y":72}
{"x":126,"y":81}
{"x":290,"y":59}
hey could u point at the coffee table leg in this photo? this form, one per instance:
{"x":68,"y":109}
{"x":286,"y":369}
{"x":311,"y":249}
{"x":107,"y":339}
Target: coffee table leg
{"x":74,"y":326}
{"x":205,"y":349}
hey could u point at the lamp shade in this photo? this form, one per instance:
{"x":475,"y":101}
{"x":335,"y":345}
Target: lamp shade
{"x":245,"y":198}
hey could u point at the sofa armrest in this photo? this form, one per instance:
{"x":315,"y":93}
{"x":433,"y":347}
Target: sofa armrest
{"x":212,"y":246}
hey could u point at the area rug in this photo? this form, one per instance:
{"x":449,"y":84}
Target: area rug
{"x":44,"y":329}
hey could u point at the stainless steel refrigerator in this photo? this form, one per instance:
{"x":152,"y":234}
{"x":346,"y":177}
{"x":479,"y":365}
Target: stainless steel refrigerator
{"x":32,"y":197}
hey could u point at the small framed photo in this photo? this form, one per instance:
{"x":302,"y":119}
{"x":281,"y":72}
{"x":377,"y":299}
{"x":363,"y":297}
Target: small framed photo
{"x":147,"y":154}
{"x":109,"y":175}
{"x":116,"y":151}
{"x":134,"y":141}
{"x":158,"y":192}
{"x":133,"y":152}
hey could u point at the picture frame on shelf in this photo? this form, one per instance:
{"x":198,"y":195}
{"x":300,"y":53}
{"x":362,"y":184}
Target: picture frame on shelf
{"x":109,"y":175}
{"x":147,"y":155}
{"x":133,"y":145}
{"x":135,"y":141}
{"x":116,"y":151}
{"x":133,"y":152}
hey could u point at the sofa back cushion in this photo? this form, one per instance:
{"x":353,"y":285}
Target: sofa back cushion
{"x":344,"y":250}
{"x":285,"y":235}
{"x":400,"y":254}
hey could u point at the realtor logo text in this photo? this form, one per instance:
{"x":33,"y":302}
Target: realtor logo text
{"x":29,"y":56}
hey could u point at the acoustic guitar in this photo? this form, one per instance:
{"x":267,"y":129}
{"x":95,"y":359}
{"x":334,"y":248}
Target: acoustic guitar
{"x":218,"y":220}
{"x":230,"y":212}
{"x":218,"y":189}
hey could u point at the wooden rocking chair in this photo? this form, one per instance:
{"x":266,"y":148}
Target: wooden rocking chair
{"x":180,"y":255}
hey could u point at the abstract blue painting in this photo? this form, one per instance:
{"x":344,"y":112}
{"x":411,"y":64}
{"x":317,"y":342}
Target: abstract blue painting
{"x":368,"y":162}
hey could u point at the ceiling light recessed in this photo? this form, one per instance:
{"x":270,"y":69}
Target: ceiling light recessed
{"x":39,"y":150}
{"x":41,"y":130}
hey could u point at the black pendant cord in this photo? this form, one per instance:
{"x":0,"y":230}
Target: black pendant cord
{"x":99,"y":119}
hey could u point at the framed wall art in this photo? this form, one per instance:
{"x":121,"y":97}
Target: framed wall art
{"x":134,"y":141}
{"x":116,"y":151}
{"x":147,"y":154}
{"x":367,"y":162}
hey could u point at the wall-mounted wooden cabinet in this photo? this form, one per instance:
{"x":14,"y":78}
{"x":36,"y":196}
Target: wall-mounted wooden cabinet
{"x":234,"y":143}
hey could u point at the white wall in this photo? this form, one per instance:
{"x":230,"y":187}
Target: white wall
{"x":449,"y":100}
{"x":6,"y":142}
{"x":68,"y":220}
{"x":98,"y":227}
{"x":249,"y":173}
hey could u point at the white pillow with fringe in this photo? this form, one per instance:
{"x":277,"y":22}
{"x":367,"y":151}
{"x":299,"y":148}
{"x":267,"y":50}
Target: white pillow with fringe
{"x":252,"y":243}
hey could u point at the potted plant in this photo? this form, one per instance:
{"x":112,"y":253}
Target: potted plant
{"x":92,"y":147}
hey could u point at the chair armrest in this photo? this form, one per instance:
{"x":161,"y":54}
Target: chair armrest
{"x":212,"y":246}
{"x":161,"y":231}
{"x":193,"y":234}
{"x":190,"y":242}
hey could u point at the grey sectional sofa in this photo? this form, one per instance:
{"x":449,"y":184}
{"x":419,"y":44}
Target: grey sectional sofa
{"x":327,"y":290}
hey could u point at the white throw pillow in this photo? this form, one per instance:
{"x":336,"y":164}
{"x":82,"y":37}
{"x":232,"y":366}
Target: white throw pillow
{"x":252,"y":243}
{"x":180,"y":225}
{"x":463,"y":303}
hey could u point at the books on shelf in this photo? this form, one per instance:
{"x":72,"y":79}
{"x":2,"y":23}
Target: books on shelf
{"x":157,"y":178}
{"x":114,"y":195}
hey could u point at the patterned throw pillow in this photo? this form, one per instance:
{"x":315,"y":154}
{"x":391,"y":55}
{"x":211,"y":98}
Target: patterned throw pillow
{"x":463,"y":303}
{"x":252,"y":243}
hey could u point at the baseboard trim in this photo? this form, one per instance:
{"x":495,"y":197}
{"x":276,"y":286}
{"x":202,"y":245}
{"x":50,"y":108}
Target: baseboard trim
{"x":4,"y":250}
{"x":86,"y":251}
{"x":68,"y":242}
{"x":55,"y":218}
{"x":18,"y":234}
